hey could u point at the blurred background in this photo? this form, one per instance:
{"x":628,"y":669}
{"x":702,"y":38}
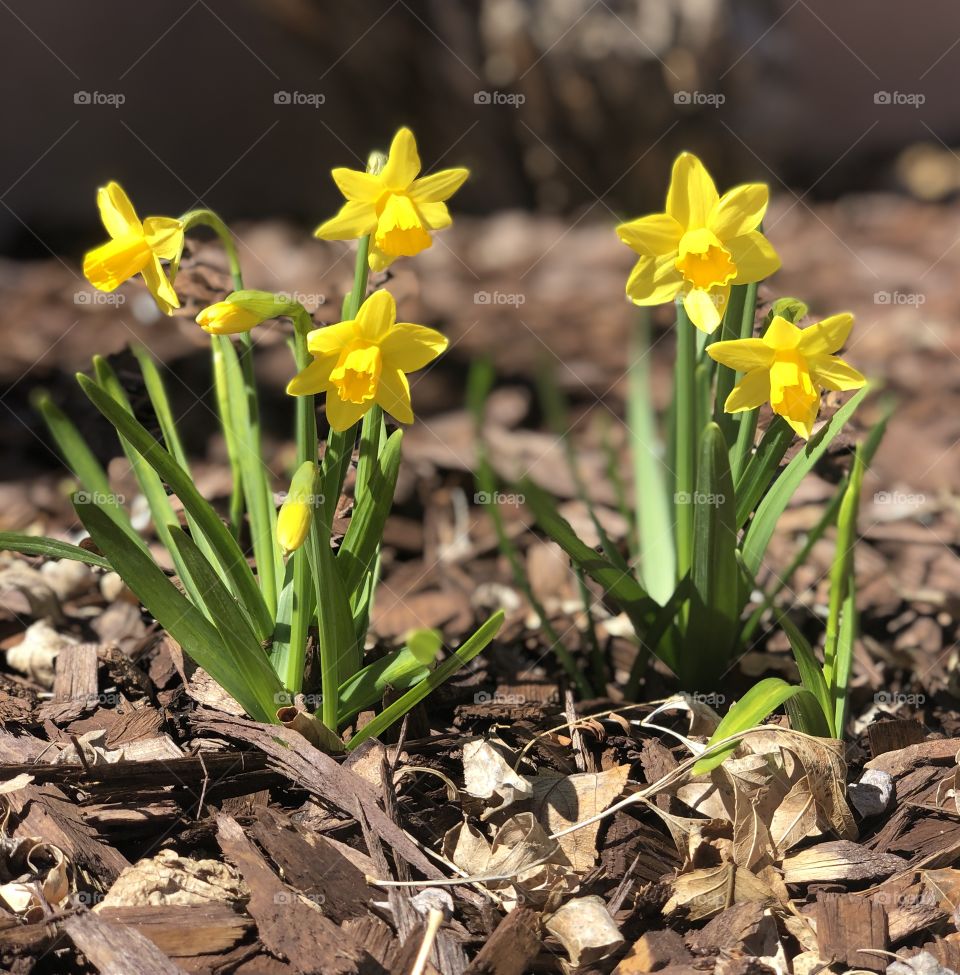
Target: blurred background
{"x":568,"y":112}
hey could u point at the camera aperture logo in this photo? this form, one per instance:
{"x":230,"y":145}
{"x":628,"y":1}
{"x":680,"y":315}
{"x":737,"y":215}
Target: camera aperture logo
{"x":313,"y":99}
{"x":112,"y":99}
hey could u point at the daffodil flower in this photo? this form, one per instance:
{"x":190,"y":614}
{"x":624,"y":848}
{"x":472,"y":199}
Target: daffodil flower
{"x":789,"y":366}
{"x":399,"y":210}
{"x":135,"y":247}
{"x":243,"y":310}
{"x":364,"y":362}
{"x":700,"y":246}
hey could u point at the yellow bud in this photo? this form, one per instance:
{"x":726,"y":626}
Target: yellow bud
{"x":293,"y":521}
{"x":227,"y":318}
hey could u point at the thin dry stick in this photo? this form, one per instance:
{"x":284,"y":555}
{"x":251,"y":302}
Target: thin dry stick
{"x":434,"y":920}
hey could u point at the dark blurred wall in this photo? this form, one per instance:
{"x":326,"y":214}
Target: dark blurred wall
{"x":559,"y":105}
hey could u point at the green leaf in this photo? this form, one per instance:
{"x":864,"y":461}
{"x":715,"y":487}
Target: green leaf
{"x":737,"y":324}
{"x":51,"y":548}
{"x":661,"y":638}
{"x":714,"y":605}
{"x":251,"y":674}
{"x":622,"y":587}
{"x":811,"y":675}
{"x":173,"y":611}
{"x":227,"y":550}
{"x":655,"y":543}
{"x":471,"y":647}
{"x":758,"y":703}
{"x":762,"y":467}
{"x":686,"y":436}
{"x":358,"y":551}
{"x":764,"y":522}
{"x":83,"y":465}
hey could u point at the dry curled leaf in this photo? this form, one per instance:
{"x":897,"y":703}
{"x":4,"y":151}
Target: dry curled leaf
{"x":489,"y":776}
{"x":586,"y":930}
{"x":703,"y":893}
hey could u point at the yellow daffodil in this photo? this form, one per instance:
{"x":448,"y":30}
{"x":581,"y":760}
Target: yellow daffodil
{"x":134,"y":248}
{"x":296,"y":512}
{"x":700,"y":246}
{"x":363,"y":362}
{"x":394,"y":206}
{"x":243,"y":310}
{"x":789,"y":366}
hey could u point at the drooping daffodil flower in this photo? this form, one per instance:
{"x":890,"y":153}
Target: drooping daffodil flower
{"x":393,"y":205}
{"x":789,"y":367}
{"x":702,"y":245}
{"x":364,"y":362}
{"x":135,"y":247}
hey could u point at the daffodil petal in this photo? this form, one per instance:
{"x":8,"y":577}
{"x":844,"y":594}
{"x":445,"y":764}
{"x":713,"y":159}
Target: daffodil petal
{"x":654,"y":280}
{"x":803,"y":426}
{"x":164,"y":235}
{"x":356,"y":186}
{"x":750,"y":393}
{"x":376,"y":316}
{"x":705,"y":308}
{"x":739,"y":211}
{"x":331,"y":339}
{"x":438,"y":186}
{"x":742,"y":355}
{"x":403,"y":163}
{"x":827,"y":336}
{"x":116,"y":211}
{"x":106,"y":267}
{"x":342,"y":415}
{"x":410,"y":347}
{"x":655,"y":235}
{"x":754,"y":256}
{"x":393,"y":394}
{"x":833,"y":373}
{"x":435,"y":216}
{"x":159,"y":286}
{"x":782,"y":335}
{"x":354,"y":220}
{"x":377,"y":260}
{"x":692,"y":194}
{"x":313,"y":379}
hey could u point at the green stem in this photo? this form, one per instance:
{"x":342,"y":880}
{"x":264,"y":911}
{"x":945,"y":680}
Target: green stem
{"x":746,"y":424}
{"x":686,"y":438}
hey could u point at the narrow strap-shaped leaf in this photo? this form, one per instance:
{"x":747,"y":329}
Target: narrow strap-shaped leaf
{"x":358,"y":551}
{"x":686,"y":436}
{"x":758,"y":703}
{"x":844,"y":658}
{"x":51,"y":548}
{"x":661,"y":638}
{"x":778,"y":497}
{"x":622,"y":587}
{"x":762,"y":467}
{"x":654,"y":513}
{"x":251,"y":673}
{"x":714,"y":606}
{"x":811,"y":674}
{"x":83,"y":465}
{"x":173,"y":611}
{"x":157,"y":391}
{"x":225,"y":546}
{"x":470,"y":648}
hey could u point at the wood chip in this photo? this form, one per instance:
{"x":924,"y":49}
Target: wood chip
{"x":839,"y":860}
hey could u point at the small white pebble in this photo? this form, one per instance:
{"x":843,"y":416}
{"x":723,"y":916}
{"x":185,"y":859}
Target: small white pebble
{"x":873,"y":794}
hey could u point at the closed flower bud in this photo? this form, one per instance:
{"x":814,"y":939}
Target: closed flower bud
{"x":244,"y":310}
{"x":293,"y":521}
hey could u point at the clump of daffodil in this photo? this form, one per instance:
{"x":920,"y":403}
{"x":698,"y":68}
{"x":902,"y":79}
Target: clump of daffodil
{"x":789,"y":367}
{"x":392,"y":205}
{"x":364,"y":362}
{"x":700,"y":246}
{"x":135,"y":247}
{"x":296,"y":512}
{"x":241,"y":311}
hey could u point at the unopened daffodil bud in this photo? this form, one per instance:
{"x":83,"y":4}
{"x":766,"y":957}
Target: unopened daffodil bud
{"x":244,"y":310}
{"x":424,"y":645}
{"x":293,"y":521}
